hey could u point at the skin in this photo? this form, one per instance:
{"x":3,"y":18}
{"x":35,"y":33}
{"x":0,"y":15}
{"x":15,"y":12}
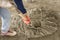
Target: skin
{"x":23,"y":16}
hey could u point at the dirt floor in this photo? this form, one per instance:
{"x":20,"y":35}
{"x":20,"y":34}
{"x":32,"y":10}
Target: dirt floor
{"x":54,"y":36}
{"x":49,"y":4}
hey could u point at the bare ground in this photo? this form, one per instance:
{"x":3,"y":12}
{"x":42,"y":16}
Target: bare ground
{"x":55,"y":36}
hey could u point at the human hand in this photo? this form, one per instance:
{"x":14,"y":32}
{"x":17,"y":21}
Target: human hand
{"x":25,"y":18}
